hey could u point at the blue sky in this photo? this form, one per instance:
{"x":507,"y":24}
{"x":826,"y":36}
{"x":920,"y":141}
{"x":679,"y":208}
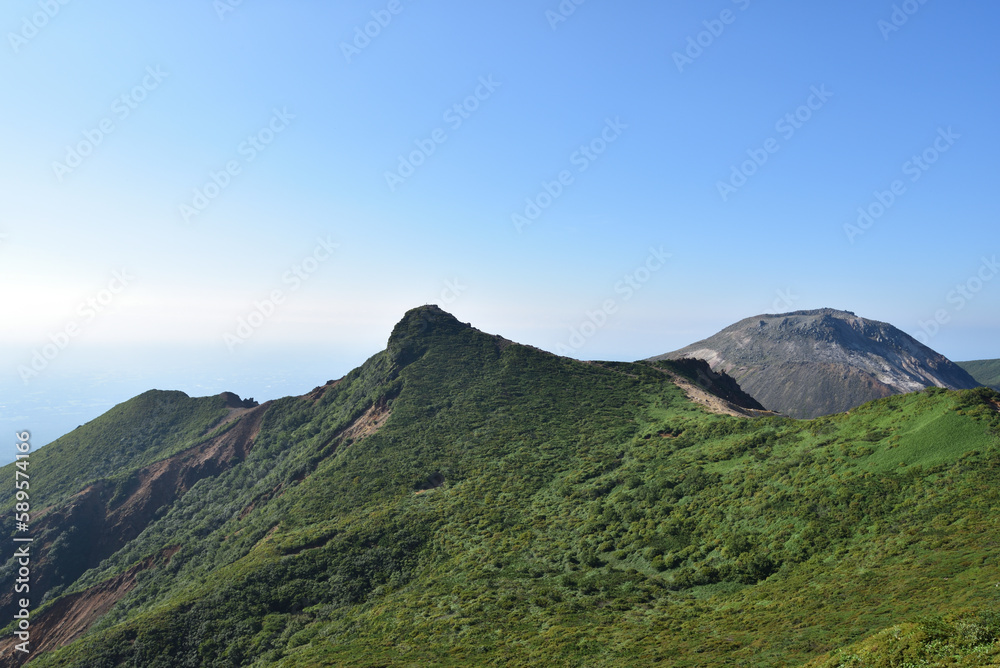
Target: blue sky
{"x":309,"y":118}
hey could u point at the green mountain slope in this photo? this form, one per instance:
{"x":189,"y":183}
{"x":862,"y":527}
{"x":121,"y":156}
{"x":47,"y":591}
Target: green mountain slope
{"x":80,"y":485}
{"x":986,"y":372}
{"x":962,"y":640}
{"x":464,"y":500}
{"x":137,"y":432}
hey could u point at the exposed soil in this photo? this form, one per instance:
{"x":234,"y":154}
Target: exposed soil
{"x":71,"y":616}
{"x":367,"y":423}
{"x":234,"y":414}
{"x":104,"y":519}
{"x":317,"y":392}
{"x":362,"y":427}
{"x":94,"y":524}
{"x":711,"y":402}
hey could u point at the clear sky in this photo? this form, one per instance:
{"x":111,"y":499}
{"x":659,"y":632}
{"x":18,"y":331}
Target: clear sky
{"x":674,"y":167}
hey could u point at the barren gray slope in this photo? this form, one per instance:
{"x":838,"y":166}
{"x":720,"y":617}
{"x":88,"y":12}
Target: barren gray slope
{"x":811,"y":363}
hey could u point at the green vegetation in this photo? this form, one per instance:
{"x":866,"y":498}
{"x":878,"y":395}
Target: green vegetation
{"x":962,"y":640}
{"x":142,"y":430}
{"x":986,"y":372}
{"x":518,"y":509}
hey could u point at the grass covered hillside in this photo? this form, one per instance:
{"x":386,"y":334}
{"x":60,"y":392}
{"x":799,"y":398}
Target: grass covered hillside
{"x":464,"y":500}
{"x":78,"y":485}
{"x":140,"y":431}
{"x":986,"y":372}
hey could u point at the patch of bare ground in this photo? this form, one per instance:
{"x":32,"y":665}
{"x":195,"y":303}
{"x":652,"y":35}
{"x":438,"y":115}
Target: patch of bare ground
{"x":367,"y":423}
{"x":246,"y":511}
{"x":711,"y":402}
{"x":237,"y":408}
{"x":360,"y":428}
{"x":317,"y":392}
{"x":233,"y":415}
{"x":71,"y":616}
{"x":104,"y":518}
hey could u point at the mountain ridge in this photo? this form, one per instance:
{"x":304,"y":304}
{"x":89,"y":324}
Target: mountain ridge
{"x":461,"y":499}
